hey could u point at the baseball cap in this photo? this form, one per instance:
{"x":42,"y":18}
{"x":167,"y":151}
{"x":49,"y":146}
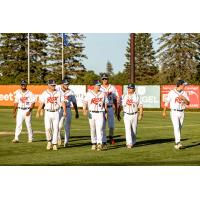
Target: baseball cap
{"x":97,"y":82}
{"x":23,"y":82}
{"x":51,"y":82}
{"x":131,"y":86}
{"x":104,"y":76}
{"x":65,"y":81}
{"x":181,"y":82}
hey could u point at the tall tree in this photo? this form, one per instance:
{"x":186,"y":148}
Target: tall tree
{"x":73,"y":56}
{"x":38,"y":57}
{"x":177,"y":54}
{"x":145,"y":65}
{"x":14,"y":61}
{"x":109,"y":69}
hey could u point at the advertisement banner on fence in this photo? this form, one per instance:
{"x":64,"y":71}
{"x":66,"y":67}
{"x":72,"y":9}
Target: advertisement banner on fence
{"x":149,"y":94}
{"x":193,"y":92}
{"x":118,"y":88}
{"x":7,"y":93}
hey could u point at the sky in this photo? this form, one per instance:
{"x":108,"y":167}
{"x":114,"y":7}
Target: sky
{"x":103,"y":47}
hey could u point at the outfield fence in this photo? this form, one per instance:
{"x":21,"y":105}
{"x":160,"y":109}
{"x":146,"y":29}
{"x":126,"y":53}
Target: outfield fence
{"x":152,"y":96}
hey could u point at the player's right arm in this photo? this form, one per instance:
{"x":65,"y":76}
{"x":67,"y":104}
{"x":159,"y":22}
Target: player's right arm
{"x":167,"y":101}
{"x":85,"y":105}
{"x":119,"y":109}
{"x":16,"y":101}
{"x":40,"y":107}
{"x":15,"y":109}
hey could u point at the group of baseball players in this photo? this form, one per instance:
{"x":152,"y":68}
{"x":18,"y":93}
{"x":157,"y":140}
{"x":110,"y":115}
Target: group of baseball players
{"x":101,"y":104}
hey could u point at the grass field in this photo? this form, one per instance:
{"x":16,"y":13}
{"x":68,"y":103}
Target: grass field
{"x":155,"y":144}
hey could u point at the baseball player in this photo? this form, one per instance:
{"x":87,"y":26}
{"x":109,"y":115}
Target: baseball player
{"x":95,"y":105}
{"x":69,"y":99}
{"x":23,"y":105}
{"x":51,"y":100}
{"x":112,"y":96}
{"x":130,"y":103}
{"x":178,"y":99}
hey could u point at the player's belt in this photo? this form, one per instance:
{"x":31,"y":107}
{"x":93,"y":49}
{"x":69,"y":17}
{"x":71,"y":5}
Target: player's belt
{"x":177,"y":110}
{"x":23,"y":108}
{"x":52,"y":110}
{"x":110,"y":106}
{"x":66,"y":107}
{"x":131,"y":113}
{"x":96,"y":111}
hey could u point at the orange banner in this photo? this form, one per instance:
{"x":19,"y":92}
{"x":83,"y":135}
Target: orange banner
{"x":7,"y":93}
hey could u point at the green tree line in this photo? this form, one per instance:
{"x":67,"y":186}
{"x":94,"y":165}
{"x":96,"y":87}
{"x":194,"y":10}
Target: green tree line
{"x":178,"y":57}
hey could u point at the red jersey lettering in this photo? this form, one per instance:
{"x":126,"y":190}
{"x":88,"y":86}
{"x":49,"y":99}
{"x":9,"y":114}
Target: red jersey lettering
{"x":96,"y":100}
{"x":23,"y":99}
{"x":52,"y":99}
{"x":129,"y":102}
{"x":178,"y":100}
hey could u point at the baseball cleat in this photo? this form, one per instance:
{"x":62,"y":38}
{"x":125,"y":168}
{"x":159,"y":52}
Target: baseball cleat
{"x":178,"y":146}
{"x":129,"y":146}
{"x":94,"y":147}
{"x":49,"y":145}
{"x":112,"y":141}
{"x":15,"y":141}
{"x":104,"y":147}
{"x":65,"y":145}
{"x":55,"y":147}
{"x":99,"y":147}
{"x":30,"y":141}
{"x":59,"y":142}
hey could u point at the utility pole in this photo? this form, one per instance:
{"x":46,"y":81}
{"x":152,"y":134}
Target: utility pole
{"x":28,"y":58}
{"x":63,"y":73}
{"x":132,"y":58}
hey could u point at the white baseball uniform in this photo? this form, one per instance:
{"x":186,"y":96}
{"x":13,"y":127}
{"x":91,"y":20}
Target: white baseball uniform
{"x":52,"y":102}
{"x":111,"y":94}
{"x":177,"y":107}
{"x":24,"y":101}
{"x":69,"y":99}
{"x":130,"y":104}
{"x":96,"y":108}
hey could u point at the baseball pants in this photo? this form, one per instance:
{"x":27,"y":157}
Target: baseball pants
{"x":130,"y":122}
{"x":21,"y":116}
{"x":177,"y":118}
{"x":66,"y":121}
{"x":96,"y":127}
{"x":51,"y":121}
{"x":110,"y":124}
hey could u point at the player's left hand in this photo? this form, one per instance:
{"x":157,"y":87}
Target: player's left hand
{"x":64,"y":114}
{"x":106,"y":116}
{"x":118,"y":117}
{"x":182,"y":97}
{"x":28,"y":113}
{"x":77,"y":116}
{"x":140,"y":117}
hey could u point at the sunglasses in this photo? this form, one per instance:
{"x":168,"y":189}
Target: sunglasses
{"x":104,"y":79}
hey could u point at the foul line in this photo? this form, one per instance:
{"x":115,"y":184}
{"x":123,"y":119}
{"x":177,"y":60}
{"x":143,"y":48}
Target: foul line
{"x":78,"y":129}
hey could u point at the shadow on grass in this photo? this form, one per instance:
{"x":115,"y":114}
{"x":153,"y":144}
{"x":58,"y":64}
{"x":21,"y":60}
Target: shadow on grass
{"x":190,"y":146}
{"x":155,"y":141}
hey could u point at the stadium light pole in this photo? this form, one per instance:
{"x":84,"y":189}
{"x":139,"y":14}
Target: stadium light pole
{"x":132,"y":58}
{"x":28,"y":59}
{"x":62,"y":57}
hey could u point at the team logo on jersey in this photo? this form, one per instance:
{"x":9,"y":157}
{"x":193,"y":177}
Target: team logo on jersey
{"x":23,"y":99}
{"x":178,"y":100}
{"x":52,"y":99}
{"x":96,"y":100}
{"x":129,"y":102}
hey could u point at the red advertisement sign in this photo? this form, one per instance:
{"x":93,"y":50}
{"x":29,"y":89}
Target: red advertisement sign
{"x":118,"y":88}
{"x":193,"y":92}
